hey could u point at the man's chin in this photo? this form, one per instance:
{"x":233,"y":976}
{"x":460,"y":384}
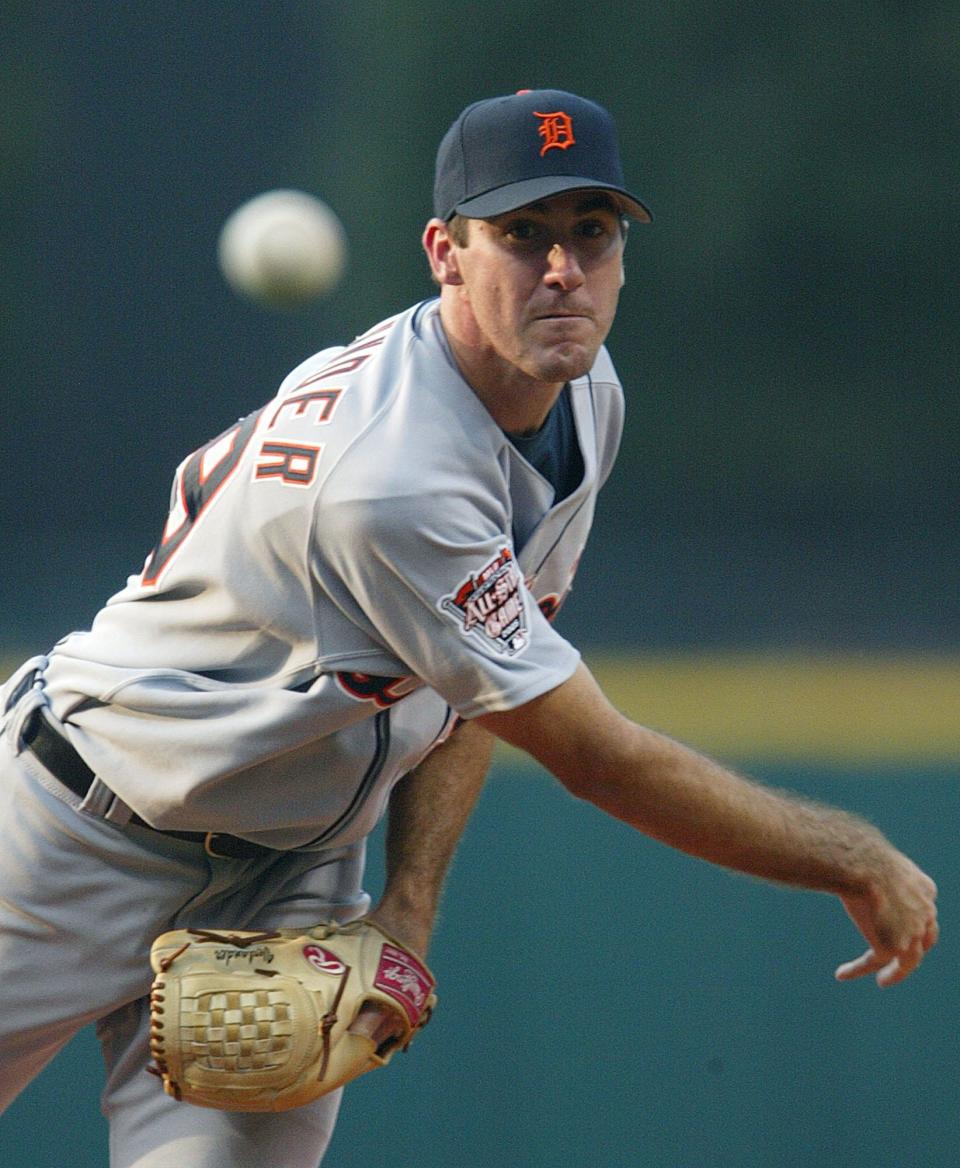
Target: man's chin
{"x":566,"y":363}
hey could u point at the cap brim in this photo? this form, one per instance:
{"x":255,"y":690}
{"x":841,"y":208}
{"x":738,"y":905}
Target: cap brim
{"x":519,"y":194}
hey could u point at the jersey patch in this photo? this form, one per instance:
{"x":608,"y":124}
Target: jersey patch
{"x":489,"y":605}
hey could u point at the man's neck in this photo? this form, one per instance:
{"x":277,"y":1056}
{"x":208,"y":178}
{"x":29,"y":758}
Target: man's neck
{"x":518,"y":403}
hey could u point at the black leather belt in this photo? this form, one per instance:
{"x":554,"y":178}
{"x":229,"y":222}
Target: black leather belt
{"x":63,"y":762}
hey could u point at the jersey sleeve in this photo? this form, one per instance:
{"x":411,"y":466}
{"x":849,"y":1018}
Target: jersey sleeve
{"x":432,"y":578}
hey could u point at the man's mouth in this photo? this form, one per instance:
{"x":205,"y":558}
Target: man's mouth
{"x":562,"y":316}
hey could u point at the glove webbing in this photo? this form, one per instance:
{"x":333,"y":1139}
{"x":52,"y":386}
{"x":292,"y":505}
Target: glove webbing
{"x":327,"y":1022}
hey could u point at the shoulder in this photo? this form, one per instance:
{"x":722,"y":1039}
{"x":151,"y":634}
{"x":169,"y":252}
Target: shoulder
{"x":346,"y":363}
{"x":430,"y":481}
{"x":409,"y":424}
{"x":391,"y":402}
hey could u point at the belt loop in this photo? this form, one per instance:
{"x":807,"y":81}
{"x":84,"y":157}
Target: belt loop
{"x":17,"y":716}
{"x":102,"y":803}
{"x":27,"y":677}
{"x":21,"y":694}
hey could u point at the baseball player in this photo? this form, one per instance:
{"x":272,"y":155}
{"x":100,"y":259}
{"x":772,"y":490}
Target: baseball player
{"x":352,"y":593}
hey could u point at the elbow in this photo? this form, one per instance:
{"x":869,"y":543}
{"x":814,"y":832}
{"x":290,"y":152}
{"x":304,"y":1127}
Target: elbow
{"x":580,"y":783}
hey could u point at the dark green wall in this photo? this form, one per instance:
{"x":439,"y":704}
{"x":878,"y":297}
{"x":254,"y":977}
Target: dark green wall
{"x":788,"y":334}
{"x":605,"y":1001}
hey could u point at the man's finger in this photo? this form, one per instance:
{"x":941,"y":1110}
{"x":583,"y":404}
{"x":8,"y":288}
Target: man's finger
{"x":889,"y":970}
{"x":866,"y":963}
{"x":902,"y":965}
{"x":893,"y":972}
{"x":378,"y":1023}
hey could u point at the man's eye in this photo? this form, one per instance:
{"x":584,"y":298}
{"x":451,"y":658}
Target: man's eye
{"x":592,"y":229}
{"x":522,"y":231}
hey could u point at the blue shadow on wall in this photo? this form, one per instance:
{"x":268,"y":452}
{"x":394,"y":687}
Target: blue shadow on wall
{"x":608,"y":1003}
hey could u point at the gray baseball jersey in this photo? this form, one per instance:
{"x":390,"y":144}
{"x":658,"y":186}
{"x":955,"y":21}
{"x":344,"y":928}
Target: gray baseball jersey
{"x":342,"y":573}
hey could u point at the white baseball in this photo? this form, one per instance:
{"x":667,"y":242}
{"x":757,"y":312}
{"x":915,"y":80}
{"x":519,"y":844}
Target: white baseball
{"x":283,"y":248}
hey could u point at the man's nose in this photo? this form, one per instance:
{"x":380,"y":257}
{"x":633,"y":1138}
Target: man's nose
{"x":563,"y":267}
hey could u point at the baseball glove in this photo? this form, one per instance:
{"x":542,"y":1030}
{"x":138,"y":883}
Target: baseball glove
{"x":262,"y":1021}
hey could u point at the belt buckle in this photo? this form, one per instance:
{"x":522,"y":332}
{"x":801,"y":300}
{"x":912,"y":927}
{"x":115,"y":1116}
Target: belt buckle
{"x":231,"y":847}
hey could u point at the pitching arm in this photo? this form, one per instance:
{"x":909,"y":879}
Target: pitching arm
{"x":683,"y":799}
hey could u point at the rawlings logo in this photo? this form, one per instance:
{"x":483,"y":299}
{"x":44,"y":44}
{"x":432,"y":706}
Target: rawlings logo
{"x":400,"y":975}
{"x":323,"y":960}
{"x":556,"y":130}
{"x":490,"y":604}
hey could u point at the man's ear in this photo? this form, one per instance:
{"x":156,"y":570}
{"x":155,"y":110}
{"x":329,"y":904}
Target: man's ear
{"x":442,"y":253}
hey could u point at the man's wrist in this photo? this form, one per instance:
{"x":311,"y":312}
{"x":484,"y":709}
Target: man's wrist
{"x":411,"y":925}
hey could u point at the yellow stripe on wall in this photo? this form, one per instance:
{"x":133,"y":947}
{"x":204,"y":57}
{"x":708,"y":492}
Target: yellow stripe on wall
{"x":758,"y":707}
{"x":830,"y":709}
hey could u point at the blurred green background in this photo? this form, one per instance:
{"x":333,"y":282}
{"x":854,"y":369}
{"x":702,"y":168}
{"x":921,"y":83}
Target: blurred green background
{"x":773,"y":570}
{"x":788,"y":336}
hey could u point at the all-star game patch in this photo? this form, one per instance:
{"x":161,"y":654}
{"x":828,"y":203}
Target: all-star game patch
{"x":489,"y":604}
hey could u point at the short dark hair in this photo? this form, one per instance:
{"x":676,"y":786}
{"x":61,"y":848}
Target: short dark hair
{"x":458,"y":228}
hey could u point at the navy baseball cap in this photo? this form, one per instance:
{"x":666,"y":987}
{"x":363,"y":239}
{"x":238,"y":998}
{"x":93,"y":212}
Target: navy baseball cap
{"x":505,"y":152}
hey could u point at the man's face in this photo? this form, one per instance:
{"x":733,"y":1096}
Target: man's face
{"x":540,"y":285}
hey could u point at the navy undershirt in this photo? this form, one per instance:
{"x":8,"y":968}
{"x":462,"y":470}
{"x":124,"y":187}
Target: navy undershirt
{"x":554,"y":450}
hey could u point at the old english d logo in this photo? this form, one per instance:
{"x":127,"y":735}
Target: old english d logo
{"x":556,"y":130}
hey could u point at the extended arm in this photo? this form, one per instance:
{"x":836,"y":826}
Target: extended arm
{"x":677,"y":796}
{"x":429,"y":809}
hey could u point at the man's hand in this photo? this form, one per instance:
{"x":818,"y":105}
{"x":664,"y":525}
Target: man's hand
{"x":379,"y":1024}
{"x":899,"y":922}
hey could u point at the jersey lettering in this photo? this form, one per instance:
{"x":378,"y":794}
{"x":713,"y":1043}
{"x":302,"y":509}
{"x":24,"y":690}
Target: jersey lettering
{"x":291,"y":463}
{"x":353,"y":357}
{"x":199,"y":480}
{"x":327,"y":398}
{"x":340,"y":367}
